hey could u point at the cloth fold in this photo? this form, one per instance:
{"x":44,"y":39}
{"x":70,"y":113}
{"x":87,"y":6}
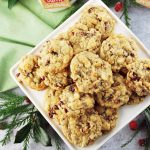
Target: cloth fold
{"x":22,"y":27}
{"x":9,"y":53}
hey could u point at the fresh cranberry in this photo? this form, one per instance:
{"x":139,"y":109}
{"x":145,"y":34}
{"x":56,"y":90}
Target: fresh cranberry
{"x":142,"y":142}
{"x":28,"y":100}
{"x":133,"y":125}
{"x":118,"y":6}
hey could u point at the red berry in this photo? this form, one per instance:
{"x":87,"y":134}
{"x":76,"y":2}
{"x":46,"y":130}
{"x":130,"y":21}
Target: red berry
{"x":118,"y":6}
{"x":28,"y":100}
{"x":142,"y":142}
{"x":133,"y":125}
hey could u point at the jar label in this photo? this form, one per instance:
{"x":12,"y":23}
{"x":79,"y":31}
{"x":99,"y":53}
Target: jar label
{"x":55,"y":3}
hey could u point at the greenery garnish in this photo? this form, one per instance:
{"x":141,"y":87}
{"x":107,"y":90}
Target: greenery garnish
{"x":125,"y":11}
{"x":12,"y":3}
{"x":141,"y":126}
{"x":16,"y":113}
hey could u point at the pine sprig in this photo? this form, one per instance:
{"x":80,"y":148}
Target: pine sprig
{"x":9,"y":131}
{"x":126,"y":12}
{"x":130,"y":140}
{"x":26,"y":141}
{"x":17,"y":114}
{"x":110,"y":3}
{"x":147,"y":140}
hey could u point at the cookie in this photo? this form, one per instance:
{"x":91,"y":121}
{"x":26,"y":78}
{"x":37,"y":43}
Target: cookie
{"x":109,"y":117}
{"x":135,"y":99}
{"x":119,"y":51}
{"x":115,"y":96}
{"x":51,"y":98}
{"x":90,"y":73}
{"x":27,"y":73}
{"x":55,"y":55}
{"x":56,"y":81}
{"x":83,"y":39}
{"x":98,"y":18}
{"x":138,"y":77}
{"x":84,"y":129}
{"x":75,"y":100}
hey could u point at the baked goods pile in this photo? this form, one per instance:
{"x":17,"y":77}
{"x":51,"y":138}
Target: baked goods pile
{"x":88,"y":73}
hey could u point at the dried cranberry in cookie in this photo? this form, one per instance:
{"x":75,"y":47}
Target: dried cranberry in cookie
{"x":90,"y":73}
{"x":51,"y":98}
{"x":56,"y":55}
{"x":109,"y":117}
{"x":115,"y":96}
{"x":135,"y":99}
{"x":138,"y":77}
{"x":74,"y":100}
{"x":83,"y":39}
{"x":119,"y":51}
{"x":98,"y":18}
{"x":56,"y":81}
{"x":28,"y":73}
{"x":83,"y":129}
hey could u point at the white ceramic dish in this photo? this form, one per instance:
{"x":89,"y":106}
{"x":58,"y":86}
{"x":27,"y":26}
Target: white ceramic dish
{"x":127,"y":113}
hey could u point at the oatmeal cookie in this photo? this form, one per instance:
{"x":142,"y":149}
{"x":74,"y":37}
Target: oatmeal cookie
{"x":90,"y":73}
{"x":135,"y":99}
{"x":119,"y":51}
{"x":75,"y":100}
{"x":56,"y":55}
{"x":72,"y":102}
{"x":109,"y":117}
{"x":115,"y":96}
{"x":51,"y":98}
{"x":56,"y":81}
{"x":84,"y":129}
{"x":83,"y":39}
{"x":27,"y":73}
{"x":98,"y":18}
{"x":138,"y":77}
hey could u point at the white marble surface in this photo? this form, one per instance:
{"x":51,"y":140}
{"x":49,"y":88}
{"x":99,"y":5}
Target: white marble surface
{"x":140,"y":25}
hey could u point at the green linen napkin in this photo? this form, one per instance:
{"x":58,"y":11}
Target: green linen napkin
{"x":9,"y":53}
{"x":52,"y":19}
{"x":21,"y":28}
{"x":20,"y":24}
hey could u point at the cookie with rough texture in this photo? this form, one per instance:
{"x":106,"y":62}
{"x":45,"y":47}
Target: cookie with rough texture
{"x":28,"y":73}
{"x":55,"y":55}
{"x":56,"y":81}
{"x":138,"y":77}
{"x":98,"y":18}
{"x":119,"y":51}
{"x":74,"y":100}
{"x":115,"y":96}
{"x":84,"y":129}
{"x":90,"y":73}
{"x":83,"y":39}
{"x":51,"y":98}
{"x":109,"y":117}
{"x":135,"y":99}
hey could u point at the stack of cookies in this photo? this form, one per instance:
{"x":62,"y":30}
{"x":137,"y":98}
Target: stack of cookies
{"x":88,"y":73}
